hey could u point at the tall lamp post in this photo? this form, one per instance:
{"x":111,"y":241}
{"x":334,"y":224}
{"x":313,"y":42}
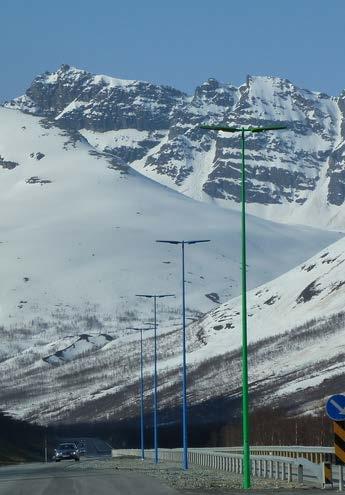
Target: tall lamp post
{"x":245,"y":408}
{"x":155,"y":435}
{"x":142,"y":446}
{"x":46,"y":446}
{"x":184,"y":366}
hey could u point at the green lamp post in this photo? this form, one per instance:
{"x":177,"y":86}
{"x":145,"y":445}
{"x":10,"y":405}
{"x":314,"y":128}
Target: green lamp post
{"x":245,"y":407}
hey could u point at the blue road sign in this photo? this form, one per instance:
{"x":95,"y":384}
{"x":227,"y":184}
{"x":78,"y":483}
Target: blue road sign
{"x":335,"y":407}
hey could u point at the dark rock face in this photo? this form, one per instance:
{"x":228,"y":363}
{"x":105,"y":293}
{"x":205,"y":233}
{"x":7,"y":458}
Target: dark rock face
{"x":79,"y":100}
{"x":336,"y":168}
{"x":282,"y":167}
{"x":38,"y":155}
{"x":309,"y":292}
{"x":7,"y":164}
{"x":336,"y":174}
{"x":37,"y":180}
{"x":130,"y":153}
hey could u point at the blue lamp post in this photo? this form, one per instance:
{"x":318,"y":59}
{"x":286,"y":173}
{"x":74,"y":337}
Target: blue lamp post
{"x":142,"y":428}
{"x":184,"y":365}
{"x":155,"y":432}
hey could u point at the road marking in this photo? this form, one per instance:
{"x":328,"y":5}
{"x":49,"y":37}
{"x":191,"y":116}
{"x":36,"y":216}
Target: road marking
{"x":338,"y":406}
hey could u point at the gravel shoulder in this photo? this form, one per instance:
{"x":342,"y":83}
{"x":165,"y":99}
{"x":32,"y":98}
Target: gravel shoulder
{"x":198,"y":480}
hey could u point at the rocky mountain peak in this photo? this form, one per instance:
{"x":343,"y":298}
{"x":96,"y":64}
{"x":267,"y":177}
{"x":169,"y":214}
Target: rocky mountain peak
{"x":78,"y":99}
{"x":156,"y":129}
{"x":212,"y":92}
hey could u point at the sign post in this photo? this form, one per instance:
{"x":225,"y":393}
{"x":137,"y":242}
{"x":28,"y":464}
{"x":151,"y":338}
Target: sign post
{"x":327,"y":481}
{"x":335,"y":409}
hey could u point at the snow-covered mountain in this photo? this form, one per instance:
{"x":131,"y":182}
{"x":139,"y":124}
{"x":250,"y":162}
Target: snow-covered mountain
{"x":294,"y":176}
{"x":296,"y":327}
{"x":80,"y":229}
{"x":81,"y":214}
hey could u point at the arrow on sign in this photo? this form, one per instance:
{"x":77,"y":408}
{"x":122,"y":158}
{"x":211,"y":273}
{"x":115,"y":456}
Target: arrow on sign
{"x":337,"y":406}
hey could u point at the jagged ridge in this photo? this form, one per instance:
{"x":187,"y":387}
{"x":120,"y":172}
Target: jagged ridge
{"x":295,"y":176}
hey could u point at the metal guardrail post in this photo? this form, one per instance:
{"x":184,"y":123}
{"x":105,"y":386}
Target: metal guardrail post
{"x":341,"y":482}
{"x":265,"y":468}
{"x":289,"y":473}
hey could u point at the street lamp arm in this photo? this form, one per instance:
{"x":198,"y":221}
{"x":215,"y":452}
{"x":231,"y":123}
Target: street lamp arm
{"x":169,"y":242}
{"x":184,"y":242}
{"x":197,"y":242}
{"x":220,"y":128}
{"x":150,"y":296}
{"x":139,"y":328}
{"x":271,"y":128}
{"x":242,"y":129}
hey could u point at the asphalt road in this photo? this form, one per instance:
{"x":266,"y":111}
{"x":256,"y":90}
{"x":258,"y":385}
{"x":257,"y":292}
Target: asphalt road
{"x":69,"y":478}
{"x":96,"y":475}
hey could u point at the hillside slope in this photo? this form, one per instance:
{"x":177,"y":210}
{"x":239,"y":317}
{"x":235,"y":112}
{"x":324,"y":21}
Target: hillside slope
{"x":296,"y":327}
{"x":77,"y":244}
{"x":80,"y":230}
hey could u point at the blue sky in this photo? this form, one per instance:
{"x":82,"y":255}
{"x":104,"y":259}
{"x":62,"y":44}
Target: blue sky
{"x":180,"y":42}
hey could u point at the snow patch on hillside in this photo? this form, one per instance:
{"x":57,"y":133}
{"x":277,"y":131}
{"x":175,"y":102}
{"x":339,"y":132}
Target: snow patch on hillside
{"x":85,"y":344}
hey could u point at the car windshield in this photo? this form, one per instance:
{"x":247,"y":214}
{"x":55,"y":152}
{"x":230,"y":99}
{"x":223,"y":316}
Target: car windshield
{"x":65,"y":446}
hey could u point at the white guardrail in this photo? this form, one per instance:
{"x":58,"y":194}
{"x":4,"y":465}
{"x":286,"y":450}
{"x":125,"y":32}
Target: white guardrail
{"x":299,"y":464}
{"x":313,"y":454}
